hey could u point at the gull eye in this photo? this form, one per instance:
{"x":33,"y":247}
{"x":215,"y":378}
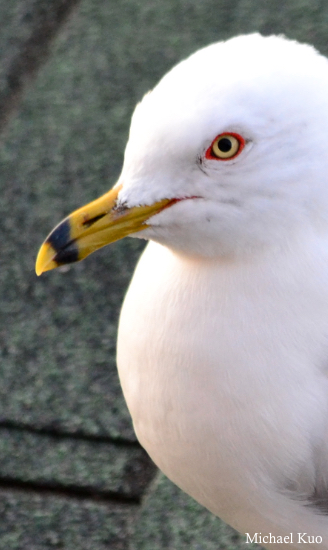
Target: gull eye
{"x":225,"y":147}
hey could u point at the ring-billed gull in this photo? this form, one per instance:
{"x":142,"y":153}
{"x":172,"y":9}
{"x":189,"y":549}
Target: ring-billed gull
{"x":223,"y":336}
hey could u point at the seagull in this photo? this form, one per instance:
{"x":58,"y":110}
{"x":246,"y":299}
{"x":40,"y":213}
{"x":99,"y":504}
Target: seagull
{"x":223,"y":335}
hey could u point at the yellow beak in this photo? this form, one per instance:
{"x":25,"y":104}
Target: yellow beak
{"x":98,"y":223}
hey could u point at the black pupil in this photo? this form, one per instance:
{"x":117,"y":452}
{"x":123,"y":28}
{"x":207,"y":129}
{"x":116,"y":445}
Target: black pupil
{"x":224,"y":144}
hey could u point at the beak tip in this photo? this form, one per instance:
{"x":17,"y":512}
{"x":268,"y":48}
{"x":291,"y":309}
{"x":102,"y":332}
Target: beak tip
{"x":45,"y":259}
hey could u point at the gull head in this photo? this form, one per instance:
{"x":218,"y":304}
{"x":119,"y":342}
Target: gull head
{"x":226,"y":156}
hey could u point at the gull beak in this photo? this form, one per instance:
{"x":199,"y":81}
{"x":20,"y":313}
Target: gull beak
{"x":98,"y":223}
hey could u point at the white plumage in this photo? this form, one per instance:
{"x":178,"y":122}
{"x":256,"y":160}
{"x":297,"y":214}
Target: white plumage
{"x":223,"y":337}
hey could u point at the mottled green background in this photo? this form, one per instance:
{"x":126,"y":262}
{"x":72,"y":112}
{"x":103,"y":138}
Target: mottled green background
{"x":63,"y":421}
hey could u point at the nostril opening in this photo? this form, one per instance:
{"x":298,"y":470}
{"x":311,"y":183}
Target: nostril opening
{"x":89,"y":223}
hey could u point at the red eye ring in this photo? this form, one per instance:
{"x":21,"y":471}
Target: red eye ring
{"x":225,"y":146}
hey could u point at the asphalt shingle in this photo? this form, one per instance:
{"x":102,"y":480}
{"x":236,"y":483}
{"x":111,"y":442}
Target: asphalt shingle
{"x":41,"y":521}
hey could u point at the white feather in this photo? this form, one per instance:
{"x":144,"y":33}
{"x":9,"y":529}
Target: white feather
{"x":223,"y":338}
